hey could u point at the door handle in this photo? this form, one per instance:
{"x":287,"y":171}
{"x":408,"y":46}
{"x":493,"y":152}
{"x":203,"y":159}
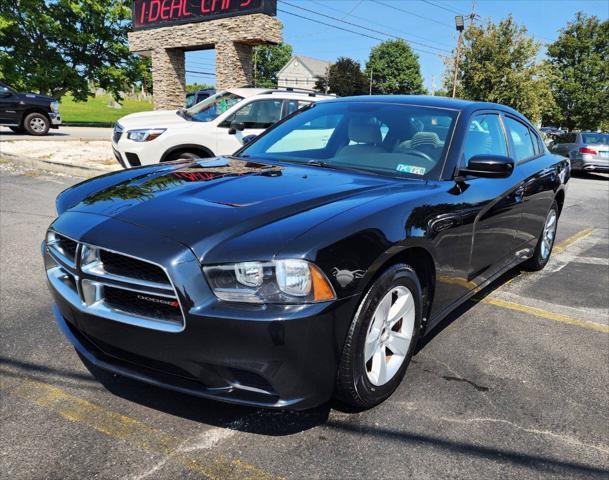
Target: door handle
{"x":444,"y":223}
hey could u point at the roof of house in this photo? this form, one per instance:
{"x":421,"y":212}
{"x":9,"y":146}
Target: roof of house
{"x":315,"y":66}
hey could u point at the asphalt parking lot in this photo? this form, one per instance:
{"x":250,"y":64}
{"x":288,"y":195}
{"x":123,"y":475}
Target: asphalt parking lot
{"x":514,"y":385}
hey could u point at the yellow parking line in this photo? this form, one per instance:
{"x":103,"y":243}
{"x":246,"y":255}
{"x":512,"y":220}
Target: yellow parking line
{"x":562,"y":246}
{"x":127,"y":429}
{"x":538,"y":312}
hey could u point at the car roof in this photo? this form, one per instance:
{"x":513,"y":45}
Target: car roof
{"x":247,"y":92}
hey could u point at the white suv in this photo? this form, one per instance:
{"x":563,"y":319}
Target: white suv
{"x":215,"y":126}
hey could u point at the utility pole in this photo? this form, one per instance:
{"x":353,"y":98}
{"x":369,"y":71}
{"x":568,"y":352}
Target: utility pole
{"x":459,"y":24}
{"x":433,"y":85}
{"x":371,"y":70}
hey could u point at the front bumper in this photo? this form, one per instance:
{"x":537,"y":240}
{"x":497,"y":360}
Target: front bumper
{"x":275,"y":356}
{"x":55,"y":120}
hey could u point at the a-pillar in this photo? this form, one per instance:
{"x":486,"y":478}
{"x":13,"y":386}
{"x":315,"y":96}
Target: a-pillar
{"x":233,"y":65}
{"x":168,"y":78}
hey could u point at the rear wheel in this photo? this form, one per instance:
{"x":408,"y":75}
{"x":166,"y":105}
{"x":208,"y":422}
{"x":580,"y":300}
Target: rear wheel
{"x":381,"y":339}
{"x":36,"y":124}
{"x":543,"y":250}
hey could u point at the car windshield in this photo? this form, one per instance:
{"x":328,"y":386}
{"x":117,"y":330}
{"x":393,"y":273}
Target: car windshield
{"x":385,"y":138}
{"x":595,"y":138}
{"x":212,"y":107}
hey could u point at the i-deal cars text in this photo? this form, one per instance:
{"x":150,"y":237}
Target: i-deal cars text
{"x":310,"y":263}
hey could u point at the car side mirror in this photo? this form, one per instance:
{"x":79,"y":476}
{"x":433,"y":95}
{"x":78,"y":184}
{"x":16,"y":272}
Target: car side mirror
{"x":488,"y":166}
{"x":248,"y":138}
{"x":6,"y":94}
{"x":236,"y":127}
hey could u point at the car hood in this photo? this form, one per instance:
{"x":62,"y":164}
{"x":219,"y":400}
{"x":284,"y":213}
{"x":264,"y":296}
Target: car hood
{"x":37,"y":97}
{"x":154,"y":119}
{"x":204,"y":203}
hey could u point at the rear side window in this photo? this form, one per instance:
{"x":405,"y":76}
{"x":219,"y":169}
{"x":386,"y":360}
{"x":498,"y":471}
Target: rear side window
{"x":595,"y":138}
{"x":522,"y":139}
{"x":293,"y":105}
{"x":566,"y":138}
{"x":484,"y":137}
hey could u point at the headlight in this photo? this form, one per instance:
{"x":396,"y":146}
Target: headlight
{"x":280,"y":281}
{"x":55,"y":107}
{"x":145,"y":135}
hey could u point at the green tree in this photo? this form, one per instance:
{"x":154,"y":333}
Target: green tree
{"x":195,"y":87}
{"x":344,"y":78}
{"x":59,"y":46}
{"x":268,"y":60}
{"x":580,"y":63}
{"x":498,"y":64}
{"x":394,"y":69}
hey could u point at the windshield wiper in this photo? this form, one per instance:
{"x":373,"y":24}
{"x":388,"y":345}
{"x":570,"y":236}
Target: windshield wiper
{"x":319,"y":163}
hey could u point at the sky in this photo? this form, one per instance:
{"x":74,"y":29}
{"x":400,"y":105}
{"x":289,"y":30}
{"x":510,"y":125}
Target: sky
{"x":427,"y":25}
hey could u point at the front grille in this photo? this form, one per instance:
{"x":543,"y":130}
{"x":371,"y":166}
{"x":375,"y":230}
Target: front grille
{"x":117,"y":133}
{"x":112,"y":285}
{"x":145,"y":305}
{"x":122,"y":265}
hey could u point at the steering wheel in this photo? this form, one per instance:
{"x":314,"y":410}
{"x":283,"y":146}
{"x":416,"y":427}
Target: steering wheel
{"x":418,"y":153}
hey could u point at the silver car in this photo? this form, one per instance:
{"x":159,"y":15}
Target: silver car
{"x":588,"y":151}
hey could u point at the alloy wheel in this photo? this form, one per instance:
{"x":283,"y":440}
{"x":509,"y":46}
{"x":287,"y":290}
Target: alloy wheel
{"x":389,"y":335}
{"x":37,"y":124}
{"x":549,"y":232}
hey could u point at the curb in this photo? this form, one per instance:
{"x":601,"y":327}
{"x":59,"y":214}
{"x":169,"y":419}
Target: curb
{"x":54,"y":167}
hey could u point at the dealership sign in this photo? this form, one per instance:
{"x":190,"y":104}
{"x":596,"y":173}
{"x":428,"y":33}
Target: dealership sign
{"x":163,"y":13}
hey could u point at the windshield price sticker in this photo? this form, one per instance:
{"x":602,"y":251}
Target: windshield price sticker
{"x":402,"y":167}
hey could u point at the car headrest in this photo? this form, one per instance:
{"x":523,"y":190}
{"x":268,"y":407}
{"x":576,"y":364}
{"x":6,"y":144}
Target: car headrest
{"x":364,"y":130}
{"x":425,"y":138}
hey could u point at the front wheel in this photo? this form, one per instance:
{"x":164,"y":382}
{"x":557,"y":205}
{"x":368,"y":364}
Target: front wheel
{"x":381,"y":339}
{"x":544,"y":246}
{"x":37,"y":124}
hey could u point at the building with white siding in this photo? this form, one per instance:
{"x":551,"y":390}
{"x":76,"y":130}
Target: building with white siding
{"x":302,"y":72}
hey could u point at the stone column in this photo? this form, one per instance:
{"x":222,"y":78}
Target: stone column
{"x":234,"y":66}
{"x":169,"y":78}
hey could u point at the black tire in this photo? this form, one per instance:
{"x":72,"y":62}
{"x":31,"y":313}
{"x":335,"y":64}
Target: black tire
{"x":542,"y":253}
{"x":37,"y":124}
{"x":17,"y":129}
{"x":185,"y":156}
{"x":353,"y":387}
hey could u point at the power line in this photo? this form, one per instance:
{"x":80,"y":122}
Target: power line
{"x":411,"y":13}
{"x":442,"y":7}
{"x":375,"y":23}
{"x":194,"y":72}
{"x":348,"y":30}
{"x":362,"y":27}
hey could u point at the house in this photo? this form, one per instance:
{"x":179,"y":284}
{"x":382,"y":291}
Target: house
{"x":302,"y":72}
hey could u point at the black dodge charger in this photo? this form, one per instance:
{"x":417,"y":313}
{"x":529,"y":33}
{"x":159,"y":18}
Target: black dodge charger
{"x":311,"y":262}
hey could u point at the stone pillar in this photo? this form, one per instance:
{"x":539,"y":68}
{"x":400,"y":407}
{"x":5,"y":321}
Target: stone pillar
{"x":169,"y":78}
{"x":234,"y":67}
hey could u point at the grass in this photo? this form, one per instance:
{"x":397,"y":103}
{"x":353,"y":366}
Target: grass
{"x":96,"y":110}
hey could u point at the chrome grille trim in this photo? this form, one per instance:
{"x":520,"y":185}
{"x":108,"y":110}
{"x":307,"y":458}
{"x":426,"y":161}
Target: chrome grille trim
{"x":60,"y":270}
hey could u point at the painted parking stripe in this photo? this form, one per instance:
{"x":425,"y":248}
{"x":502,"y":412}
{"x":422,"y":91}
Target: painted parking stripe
{"x":538,"y":312}
{"x":562,"y":246}
{"x":127,"y":429}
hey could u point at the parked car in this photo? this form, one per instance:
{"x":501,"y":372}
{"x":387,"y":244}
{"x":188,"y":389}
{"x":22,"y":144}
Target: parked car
{"x":215,"y":126}
{"x":588,"y":151}
{"x":192,"y":98}
{"x":28,"y":112}
{"x":311,"y":262}
{"x":551,"y":131}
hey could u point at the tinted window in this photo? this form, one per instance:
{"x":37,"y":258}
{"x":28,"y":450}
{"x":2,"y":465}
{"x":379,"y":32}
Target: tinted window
{"x":293,"y":105}
{"x":484,"y":136}
{"x":595,"y":138}
{"x":399,"y":140}
{"x":212,"y":107}
{"x":522,"y":139}
{"x":566,"y":138}
{"x":260,"y":114}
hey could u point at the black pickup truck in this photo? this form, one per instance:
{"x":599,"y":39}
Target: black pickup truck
{"x":28,"y":112}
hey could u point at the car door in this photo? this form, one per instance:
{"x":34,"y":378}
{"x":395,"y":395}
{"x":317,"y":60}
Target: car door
{"x":256,"y":116}
{"x":9,"y":103}
{"x":538,"y":175}
{"x":493,"y":205}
